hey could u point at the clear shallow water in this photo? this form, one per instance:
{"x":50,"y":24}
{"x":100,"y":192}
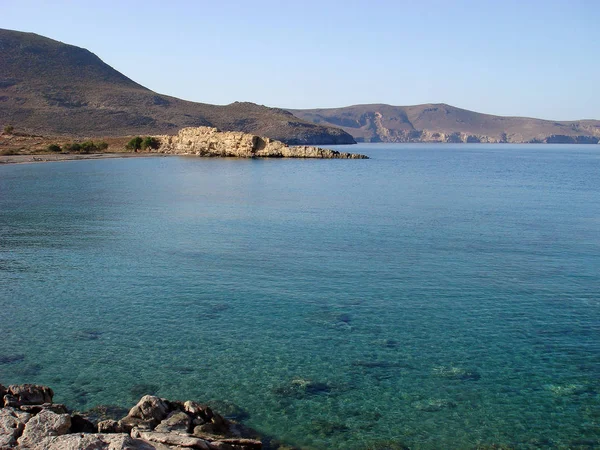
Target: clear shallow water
{"x":442,"y":296}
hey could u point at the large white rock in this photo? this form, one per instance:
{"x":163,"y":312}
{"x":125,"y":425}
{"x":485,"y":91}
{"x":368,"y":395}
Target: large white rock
{"x":11,"y":426}
{"x":84,"y":441}
{"x":46,"y":423}
{"x":209,"y":141}
{"x":171,"y":439}
{"x":149,"y":407}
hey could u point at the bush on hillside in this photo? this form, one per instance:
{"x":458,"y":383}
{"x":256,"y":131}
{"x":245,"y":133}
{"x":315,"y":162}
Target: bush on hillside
{"x":134,"y":144}
{"x":150,"y":143}
{"x":72,"y":148}
{"x":88,"y":147}
{"x":9,"y":129}
{"x":54,"y":148}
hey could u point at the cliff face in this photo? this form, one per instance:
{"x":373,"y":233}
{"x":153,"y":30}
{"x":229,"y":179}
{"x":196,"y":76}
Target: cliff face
{"x":209,"y":141}
{"x":445,"y":123}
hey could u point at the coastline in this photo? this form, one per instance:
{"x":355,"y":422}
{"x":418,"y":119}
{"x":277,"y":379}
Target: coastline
{"x":30,"y":420}
{"x":39,"y":158}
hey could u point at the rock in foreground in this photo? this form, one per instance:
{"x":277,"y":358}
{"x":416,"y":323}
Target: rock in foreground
{"x":154,"y":423}
{"x":209,"y":141}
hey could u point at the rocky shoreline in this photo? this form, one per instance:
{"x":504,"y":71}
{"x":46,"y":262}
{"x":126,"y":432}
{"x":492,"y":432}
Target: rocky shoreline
{"x":29,"y":420}
{"x":191,"y":141}
{"x":209,"y":141}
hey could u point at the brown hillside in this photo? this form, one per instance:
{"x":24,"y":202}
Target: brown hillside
{"x":47,"y":87}
{"x":445,"y":123}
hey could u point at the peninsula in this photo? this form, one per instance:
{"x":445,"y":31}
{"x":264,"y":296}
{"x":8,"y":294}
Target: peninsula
{"x":197,"y":141}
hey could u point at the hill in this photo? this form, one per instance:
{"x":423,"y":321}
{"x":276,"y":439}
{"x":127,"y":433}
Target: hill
{"x":445,"y":123}
{"x":47,"y":87}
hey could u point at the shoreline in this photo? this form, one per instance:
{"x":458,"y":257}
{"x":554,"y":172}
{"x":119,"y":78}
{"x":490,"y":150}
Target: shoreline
{"x":42,"y":158}
{"x":29,"y":419}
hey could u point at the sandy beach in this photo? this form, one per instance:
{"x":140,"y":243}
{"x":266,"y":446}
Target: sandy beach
{"x":26,"y":159}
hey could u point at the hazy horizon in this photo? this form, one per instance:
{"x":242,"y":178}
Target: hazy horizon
{"x":533,"y":60}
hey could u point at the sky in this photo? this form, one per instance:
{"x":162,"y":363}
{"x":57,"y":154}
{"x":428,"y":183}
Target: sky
{"x":519,"y":58}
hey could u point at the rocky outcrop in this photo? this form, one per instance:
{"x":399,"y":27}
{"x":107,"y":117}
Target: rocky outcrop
{"x":44,"y":424}
{"x":209,"y":141}
{"x":154,"y":423}
{"x":27,"y":394}
{"x":12,"y":424}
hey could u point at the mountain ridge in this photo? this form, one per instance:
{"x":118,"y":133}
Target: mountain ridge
{"x":440,"y":122}
{"x":48,"y":87}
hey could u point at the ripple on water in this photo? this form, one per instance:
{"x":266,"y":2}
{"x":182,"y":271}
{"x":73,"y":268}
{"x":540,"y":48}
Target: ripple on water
{"x":434,"y":297}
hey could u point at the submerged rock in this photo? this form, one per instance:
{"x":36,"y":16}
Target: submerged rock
{"x":326,"y":428}
{"x":456,"y":373}
{"x":300,"y":388}
{"x":209,"y":141}
{"x":139,"y":390}
{"x":569,"y":389}
{"x":104,"y":412}
{"x":386,"y":445}
{"x":87,"y":335}
{"x":9,"y":359}
{"x":228,"y":409}
{"x":386,"y":343}
{"x":29,"y":370}
{"x":434,"y":404}
{"x":339,"y":321}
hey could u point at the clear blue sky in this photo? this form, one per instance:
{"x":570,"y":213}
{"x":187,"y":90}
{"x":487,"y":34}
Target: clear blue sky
{"x":527,"y":58}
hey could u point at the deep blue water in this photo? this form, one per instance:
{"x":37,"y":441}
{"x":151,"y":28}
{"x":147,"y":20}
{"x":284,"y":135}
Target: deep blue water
{"x":439,"y":296}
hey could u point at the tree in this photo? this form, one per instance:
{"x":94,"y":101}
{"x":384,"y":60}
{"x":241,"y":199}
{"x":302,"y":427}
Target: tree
{"x":8,"y":129}
{"x":72,"y":148}
{"x":134,"y":144}
{"x":150,"y":142}
{"x":88,"y":147}
{"x":54,"y":148}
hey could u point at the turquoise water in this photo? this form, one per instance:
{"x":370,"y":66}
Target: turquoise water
{"x":438,"y":296}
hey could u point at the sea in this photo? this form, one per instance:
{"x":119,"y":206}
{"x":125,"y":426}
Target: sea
{"x":434,"y":296}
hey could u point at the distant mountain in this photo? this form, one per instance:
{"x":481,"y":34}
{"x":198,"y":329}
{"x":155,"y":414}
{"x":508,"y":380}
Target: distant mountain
{"x":445,"y":123}
{"x":47,"y":87}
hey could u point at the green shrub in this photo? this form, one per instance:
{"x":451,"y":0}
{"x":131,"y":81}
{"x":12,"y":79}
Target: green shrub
{"x":73,"y":148}
{"x":54,"y":148}
{"x":8,"y":129}
{"x":150,"y":143}
{"x":134,"y":144}
{"x":102,"y":146}
{"x":88,"y":147}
